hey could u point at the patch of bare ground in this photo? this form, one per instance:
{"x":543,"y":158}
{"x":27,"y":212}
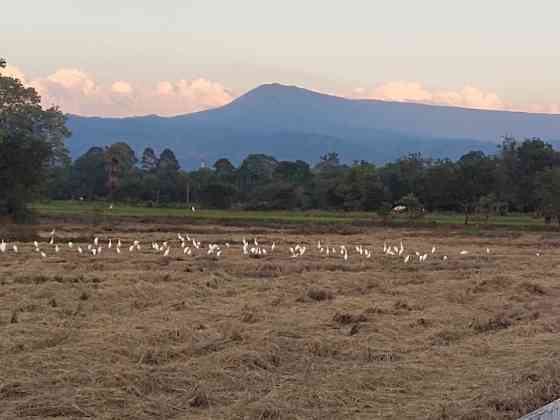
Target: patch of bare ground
{"x":141,"y":336}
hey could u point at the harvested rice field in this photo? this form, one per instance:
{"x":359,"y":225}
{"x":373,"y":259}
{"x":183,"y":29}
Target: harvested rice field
{"x":234,"y":330}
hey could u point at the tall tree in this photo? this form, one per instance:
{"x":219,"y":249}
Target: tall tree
{"x":89,"y":174}
{"x":256,"y":169}
{"x":120,"y":160}
{"x":150,"y":161}
{"x":168,"y":163}
{"x":224,"y":168}
{"x":475,"y":179}
{"x":549,"y":192}
{"x":31,"y":142}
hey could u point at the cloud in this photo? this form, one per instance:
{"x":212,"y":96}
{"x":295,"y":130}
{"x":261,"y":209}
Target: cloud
{"x":78,"y":92}
{"x":121,"y":87}
{"x":401,"y":91}
{"x":405,"y":91}
{"x":543,"y":108}
{"x":182,"y":94}
{"x":12,"y":71}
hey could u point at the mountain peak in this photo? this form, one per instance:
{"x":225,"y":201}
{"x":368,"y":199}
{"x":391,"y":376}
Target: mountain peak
{"x":276,"y":92}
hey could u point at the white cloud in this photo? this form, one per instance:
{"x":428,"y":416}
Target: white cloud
{"x":405,"y":91}
{"x":401,"y":91}
{"x":12,"y":71}
{"x":121,"y":87}
{"x":190,"y":95}
{"x":77,"y":92}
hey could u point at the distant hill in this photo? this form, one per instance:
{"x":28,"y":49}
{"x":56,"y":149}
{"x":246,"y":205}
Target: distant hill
{"x":293,"y":123}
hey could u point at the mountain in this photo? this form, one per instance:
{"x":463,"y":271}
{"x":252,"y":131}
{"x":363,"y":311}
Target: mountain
{"x":294,"y":123}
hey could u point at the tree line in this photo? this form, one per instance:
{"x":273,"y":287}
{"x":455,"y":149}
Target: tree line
{"x":523,"y":176}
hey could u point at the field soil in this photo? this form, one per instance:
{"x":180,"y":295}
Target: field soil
{"x":140,"y":335}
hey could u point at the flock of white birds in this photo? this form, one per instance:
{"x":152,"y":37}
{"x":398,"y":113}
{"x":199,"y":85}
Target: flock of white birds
{"x":189,"y":246}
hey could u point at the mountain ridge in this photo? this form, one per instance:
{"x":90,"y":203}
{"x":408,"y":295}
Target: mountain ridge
{"x":276,"y":119}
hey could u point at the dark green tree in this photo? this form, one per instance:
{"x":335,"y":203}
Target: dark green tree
{"x":549,"y":193}
{"x":256,"y":170}
{"x":149,"y":161}
{"x":89,"y":174}
{"x":474,"y":180}
{"x":120,"y":160}
{"x":31,"y":143}
{"x":224,"y":169}
{"x":168,"y":163}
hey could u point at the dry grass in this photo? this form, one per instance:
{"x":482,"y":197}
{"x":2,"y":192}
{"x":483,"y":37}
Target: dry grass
{"x":476,"y":337}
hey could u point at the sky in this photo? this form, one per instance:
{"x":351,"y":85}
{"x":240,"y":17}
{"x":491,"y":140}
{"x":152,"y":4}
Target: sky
{"x":121,"y":58}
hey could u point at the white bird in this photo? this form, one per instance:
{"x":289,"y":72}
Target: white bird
{"x":406,"y":259}
{"x":80,"y":250}
{"x":166,"y":253}
{"x":464,"y":252}
{"x":131,"y":248}
{"x":15,"y":248}
{"x":118,"y":250}
{"x":95,"y":241}
{"x":3,"y":246}
{"x":70,"y":245}
{"x":434,"y":249}
{"x":193,"y":209}
{"x":52,"y":232}
{"x":273,"y":247}
{"x":488,"y":250}
{"x":110,"y":244}
{"x":51,"y":242}
{"x":43,"y":254}
{"x":445,"y":258}
{"x":56,"y":248}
